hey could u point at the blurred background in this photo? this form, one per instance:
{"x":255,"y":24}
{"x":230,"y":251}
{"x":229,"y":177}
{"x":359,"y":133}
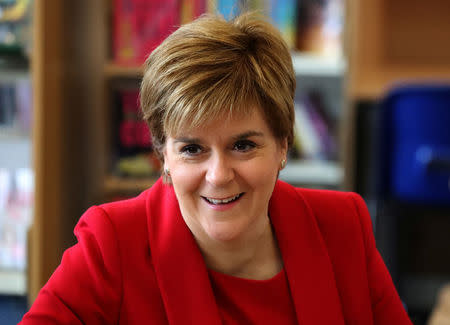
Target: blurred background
{"x":372,"y":116}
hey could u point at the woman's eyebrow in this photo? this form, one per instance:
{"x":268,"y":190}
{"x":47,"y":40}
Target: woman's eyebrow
{"x":186,"y":140}
{"x":248,"y":134}
{"x":240,"y":136}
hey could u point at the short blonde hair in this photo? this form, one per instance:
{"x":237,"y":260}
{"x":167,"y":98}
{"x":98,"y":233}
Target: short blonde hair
{"x":211,"y":68}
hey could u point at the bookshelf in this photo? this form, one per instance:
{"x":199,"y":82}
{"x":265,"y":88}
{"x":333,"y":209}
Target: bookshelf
{"x":314,"y":65}
{"x":309,"y":172}
{"x":15,"y":149}
{"x":120,"y":185}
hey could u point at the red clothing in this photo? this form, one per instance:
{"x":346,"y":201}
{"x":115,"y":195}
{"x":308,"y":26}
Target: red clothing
{"x":243,"y":301}
{"x":136,"y":262}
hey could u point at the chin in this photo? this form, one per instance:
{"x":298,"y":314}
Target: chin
{"x":223,"y":233}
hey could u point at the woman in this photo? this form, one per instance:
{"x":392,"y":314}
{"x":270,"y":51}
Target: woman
{"x":220,"y":240}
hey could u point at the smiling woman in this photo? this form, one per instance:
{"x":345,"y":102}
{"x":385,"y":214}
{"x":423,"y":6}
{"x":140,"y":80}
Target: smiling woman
{"x":220,"y":240}
{"x":223,"y":175}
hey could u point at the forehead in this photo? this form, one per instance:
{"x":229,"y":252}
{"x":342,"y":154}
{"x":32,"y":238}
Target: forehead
{"x":225,"y":124}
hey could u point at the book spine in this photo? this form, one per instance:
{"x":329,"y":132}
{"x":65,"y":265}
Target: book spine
{"x":306,"y":136}
{"x":284,"y":16}
{"x":191,"y":9}
{"x":139,"y":26}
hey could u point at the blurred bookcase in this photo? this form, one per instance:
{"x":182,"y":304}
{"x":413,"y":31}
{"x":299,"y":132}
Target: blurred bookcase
{"x":16,"y":173}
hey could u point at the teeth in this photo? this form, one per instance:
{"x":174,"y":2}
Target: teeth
{"x":224,"y":201}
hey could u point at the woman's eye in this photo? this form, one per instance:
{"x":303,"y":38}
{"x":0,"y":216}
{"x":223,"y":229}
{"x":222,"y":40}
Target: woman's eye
{"x":244,"y":146}
{"x":191,"y":150}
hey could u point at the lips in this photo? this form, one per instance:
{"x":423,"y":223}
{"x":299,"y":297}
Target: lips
{"x":222,"y":201}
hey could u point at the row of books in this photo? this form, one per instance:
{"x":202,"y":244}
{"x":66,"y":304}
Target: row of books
{"x":134,"y":154}
{"x":15,"y":106}
{"x":141,"y":25}
{"x":16,"y":209}
{"x":315,"y":130}
{"x":315,"y":135}
{"x":15,"y":28}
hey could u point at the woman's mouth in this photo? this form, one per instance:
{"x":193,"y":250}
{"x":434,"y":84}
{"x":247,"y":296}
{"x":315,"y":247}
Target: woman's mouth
{"x":223,"y":201}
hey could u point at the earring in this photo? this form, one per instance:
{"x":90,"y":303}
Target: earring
{"x":283,"y":163}
{"x":167,"y":172}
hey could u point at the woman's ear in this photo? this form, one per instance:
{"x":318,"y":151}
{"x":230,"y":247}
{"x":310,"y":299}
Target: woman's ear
{"x":166,"y":171}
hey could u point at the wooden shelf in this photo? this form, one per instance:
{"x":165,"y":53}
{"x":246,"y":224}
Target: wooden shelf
{"x":118,"y":185}
{"x":315,"y":65}
{"x":388,"y":76}
{"x":304,"y":64}
{"x":13,"y":282}
{"x":113,"y":70}
{"x":314,"y":173}
{"x":13,"y":75}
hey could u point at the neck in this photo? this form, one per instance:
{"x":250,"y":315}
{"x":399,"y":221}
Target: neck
{"x":253,"y":256}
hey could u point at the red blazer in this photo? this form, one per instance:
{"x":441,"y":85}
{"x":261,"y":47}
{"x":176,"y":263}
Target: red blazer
{"x":136,"y":262}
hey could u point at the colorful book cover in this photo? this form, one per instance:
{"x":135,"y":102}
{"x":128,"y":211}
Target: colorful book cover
{"x":284,"y":17}
{"x":141,"y":25}
{"x":321,"y":128}
{"x":228,"y":8}
{"x":308,"y":141}
{"x":134,"y":132}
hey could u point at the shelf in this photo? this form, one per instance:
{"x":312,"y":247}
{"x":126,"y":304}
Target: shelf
{"x":115,"y":184}
{"x":19,"y":152}
{"x":315,"y":173}
{"x":315,"y":65}
{"x":304,"y":64}
{"x":8,"y":75}
{"x":377,"y":83}
{"x":12,"y":282}
{"x":113,"y":70}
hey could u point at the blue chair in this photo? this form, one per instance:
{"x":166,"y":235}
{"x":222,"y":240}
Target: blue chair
{"x":415,"y":144}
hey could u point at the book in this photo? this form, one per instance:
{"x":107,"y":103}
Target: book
{"x":306,"y":138}
{"x":191,"y":9}
{"x":228,"y":8}
{"x":284,"y":16}
{"x":139,"y":26}
{"x":322,"y":125}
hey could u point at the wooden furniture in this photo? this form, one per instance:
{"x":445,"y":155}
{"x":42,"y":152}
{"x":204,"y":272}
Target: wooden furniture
{"x":390,"y":42}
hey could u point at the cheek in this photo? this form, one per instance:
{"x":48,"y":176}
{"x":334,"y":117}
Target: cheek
{"x":259,"y":174}
{"x":185,"y":178}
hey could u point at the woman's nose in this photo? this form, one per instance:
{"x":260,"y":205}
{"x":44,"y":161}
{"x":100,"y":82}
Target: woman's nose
{"x":219,"y":171}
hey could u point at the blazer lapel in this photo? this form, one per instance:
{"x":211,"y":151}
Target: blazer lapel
{"x":306,"y":261}
{"x":179,"y":267}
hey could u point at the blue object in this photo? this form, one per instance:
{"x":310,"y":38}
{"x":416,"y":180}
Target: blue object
{"x":228,"y":8}
{"x":417,"y":143}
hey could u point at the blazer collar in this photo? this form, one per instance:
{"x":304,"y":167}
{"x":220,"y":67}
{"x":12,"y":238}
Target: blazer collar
{"x":179,"y":267}
{"x":305,"y":256}
{"x":183,"y":278}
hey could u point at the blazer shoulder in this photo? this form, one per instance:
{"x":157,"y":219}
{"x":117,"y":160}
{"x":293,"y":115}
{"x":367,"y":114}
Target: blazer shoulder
{"x":126,"y":212}
{"x":326,"y":200}
{"x":345,"y":212}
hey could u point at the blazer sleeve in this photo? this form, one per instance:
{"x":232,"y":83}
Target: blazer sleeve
{"x":386,"y":304}
{"x":86,"y":286}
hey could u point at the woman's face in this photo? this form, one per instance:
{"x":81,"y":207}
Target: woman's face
{"x":223,"y":175}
